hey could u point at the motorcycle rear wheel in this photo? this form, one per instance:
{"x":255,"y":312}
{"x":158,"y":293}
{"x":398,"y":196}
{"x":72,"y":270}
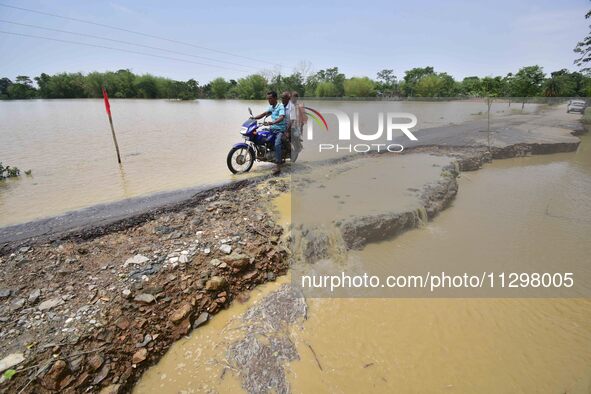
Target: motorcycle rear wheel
{"x":240,"y":159}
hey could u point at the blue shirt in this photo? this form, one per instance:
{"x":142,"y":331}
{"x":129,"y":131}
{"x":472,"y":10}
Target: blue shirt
{"x":276,"y":112}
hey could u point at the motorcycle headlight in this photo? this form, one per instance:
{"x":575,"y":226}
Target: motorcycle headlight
{"x":243,"y":130}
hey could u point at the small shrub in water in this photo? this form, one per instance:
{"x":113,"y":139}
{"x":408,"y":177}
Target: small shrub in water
{"x":8,"y":171}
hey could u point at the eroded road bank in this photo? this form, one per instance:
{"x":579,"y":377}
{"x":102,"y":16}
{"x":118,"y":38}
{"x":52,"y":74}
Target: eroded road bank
{"x":92,"y":308}
{"x":515,"y":209}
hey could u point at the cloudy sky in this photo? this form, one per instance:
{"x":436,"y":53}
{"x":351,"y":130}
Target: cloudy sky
{"x":206,"y":39}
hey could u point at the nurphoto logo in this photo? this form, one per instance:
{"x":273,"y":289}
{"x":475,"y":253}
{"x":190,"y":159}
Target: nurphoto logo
{"x":391,"y":119}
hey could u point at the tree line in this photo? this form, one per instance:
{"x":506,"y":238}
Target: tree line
{"x":528,"y":81}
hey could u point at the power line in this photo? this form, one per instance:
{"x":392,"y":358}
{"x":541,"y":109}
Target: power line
{"x":122,"y":42}
{"x":116,"y":49}
{"x":131,"y":31}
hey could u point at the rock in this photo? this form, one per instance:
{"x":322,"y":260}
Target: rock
{"x":207,"y":251}
{"x":95,"y":361}
{"x":123,"y":323}
{"x":183,"y":258}
{"x":147,"y":339}
{"x":201,"y":320}
{"x":5,"y":293}
{"x":83,"y":379}
{"x":126,"y":293}
{"x":215,"y":262}
{"x":175,"y":235}
{"x":250,"y":275}
{"x":17,"y":304}
{"x":181,"y":313}
{"x":112,"y":389}
{"x":49,"y":304}
{"x":225,"y":248}
{"x":24,"y":249}
{"x":11,"y":360}
{"x":154,"y":290}
{"x":236,"y":260}
{"x":34,"y":296}
{"x":164,"y":230}
{"x":102,"y":374}
{"x":139,"y":356}
{"x":138,"y":259}
{"x":145,"y":298}
{"x":52,"y":378}
{"x":76,"y":363}
{"x":216,"y":283}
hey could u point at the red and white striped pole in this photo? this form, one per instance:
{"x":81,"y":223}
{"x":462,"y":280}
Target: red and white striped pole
{"x":108,"y":108}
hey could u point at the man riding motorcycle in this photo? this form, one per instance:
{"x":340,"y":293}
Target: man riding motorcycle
{"x":278,"y":125}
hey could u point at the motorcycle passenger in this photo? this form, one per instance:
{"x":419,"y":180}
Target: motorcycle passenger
{"x":277,"y":123}
{"x":289,"y":112}
{"x":297,"y":118}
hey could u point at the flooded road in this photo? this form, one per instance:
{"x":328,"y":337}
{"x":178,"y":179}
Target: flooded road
{"x":165,"y":145}
{"x":534,"y":209}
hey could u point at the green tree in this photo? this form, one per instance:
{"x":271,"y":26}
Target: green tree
{"x":192,"y":87}
{"x":386,"y":82}
{"x":123,"y":82}
{"x":290,"y":83}
{"x":413,"y":76}
{"x":359,"y":87}
{"x":146,"y":86}
{"x":21,"y":89}
{"x":326,"y":89}
{"x":492,"y":87}
{"x":4,"y":85}
{"x":428,"y":86}
{"x":583,"y":49}
{"x":252,"y":87}
{"x":528,"y":82}
{"x":43,"y":85}
{"x":331,"y":75}
{"x":471,"y":86}
{"x":63,"y":85}
{"x":219,"y":88}
{"x":563,"y":83}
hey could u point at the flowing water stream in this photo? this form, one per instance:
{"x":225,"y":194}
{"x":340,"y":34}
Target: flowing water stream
{"x":531,"y":208}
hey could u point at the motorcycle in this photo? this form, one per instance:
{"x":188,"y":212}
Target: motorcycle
{"x":259,"y":144}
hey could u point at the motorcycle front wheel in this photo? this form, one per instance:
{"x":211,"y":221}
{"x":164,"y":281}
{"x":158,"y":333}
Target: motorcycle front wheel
{"x":240,"y":159}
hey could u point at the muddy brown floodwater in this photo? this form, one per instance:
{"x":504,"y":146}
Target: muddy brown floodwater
{"x":165,"y":145}
{"x":531,"y":208}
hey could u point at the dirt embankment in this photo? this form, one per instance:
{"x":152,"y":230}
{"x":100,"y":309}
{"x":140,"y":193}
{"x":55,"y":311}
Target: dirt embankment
{"x":92,"y":313}
{"x":354,"y":232}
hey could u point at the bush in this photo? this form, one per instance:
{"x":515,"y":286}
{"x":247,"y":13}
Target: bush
{"x":253,"y":87}
{"x":8,"y":171}
{"x":326,"y":89}
{"x":359,"y":87}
